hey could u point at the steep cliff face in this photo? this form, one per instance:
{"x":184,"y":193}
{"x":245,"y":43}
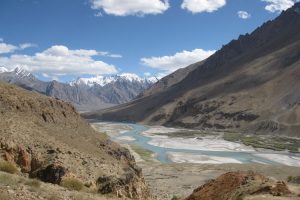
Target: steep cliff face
{"x":47,"y":139}
{"x":250,"y":85}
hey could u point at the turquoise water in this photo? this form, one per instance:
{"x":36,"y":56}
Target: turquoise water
{"x":161,"y":152}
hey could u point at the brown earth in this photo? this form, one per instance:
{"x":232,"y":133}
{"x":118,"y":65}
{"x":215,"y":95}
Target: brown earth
{"x":47,"y":139}
{"x":237,"y":185}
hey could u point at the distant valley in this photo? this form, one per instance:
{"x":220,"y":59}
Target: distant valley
{"x":251,"y":85}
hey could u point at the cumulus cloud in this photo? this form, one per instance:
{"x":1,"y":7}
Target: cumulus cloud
{"x":130,"y":7}
{"x":278,"y":5}
{"x":182,"y":59}
{"x":9,"y":48}
{"x":243,"y":14}
{"x":199,"y":6}
{"x":60,"y":60}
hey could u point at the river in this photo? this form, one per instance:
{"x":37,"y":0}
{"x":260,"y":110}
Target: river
{"x":163,"y":153}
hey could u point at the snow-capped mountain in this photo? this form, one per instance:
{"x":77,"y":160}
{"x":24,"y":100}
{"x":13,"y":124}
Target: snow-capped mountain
{"x":85,"y":93}
{"x":3,"y":69}
{"x":104,"y":80}
{"x":115,"y":89}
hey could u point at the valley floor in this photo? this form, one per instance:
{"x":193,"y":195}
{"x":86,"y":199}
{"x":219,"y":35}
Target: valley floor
{"x":188,"y":171}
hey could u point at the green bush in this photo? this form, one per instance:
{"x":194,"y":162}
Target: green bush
{"x":72,"y":184}
{"x":8,"y":167}
{"x":232,"y":137}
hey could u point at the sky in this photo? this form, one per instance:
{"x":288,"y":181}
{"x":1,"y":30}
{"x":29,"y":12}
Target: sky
{"x":65,"y":39}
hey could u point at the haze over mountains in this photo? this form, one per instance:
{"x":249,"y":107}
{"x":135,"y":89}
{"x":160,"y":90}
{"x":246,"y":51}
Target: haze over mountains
{"x":250,"y":85}
{"x":85,"y":93}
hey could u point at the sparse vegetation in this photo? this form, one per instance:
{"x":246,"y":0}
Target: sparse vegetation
{"x":8,"y":167}
{"x":7,"y":179}
{"x":33,"y":183}
{"x":232,"y":137}
{"x":275,"y":143}
{"x":72,"y":184}
{"x":144,"y":153}
{"x":293,"y":179}
{"x":175,"y":198}
{"x":187,"y":134}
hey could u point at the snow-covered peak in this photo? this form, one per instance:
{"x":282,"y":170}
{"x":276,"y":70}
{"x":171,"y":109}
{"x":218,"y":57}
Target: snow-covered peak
{"x":104,"y":80}
{"x":99,"y":80}
{"x":130,"y":77}
{"x":22,"y":72}
{"x":3,"y":69}
{"x":152,"y":79}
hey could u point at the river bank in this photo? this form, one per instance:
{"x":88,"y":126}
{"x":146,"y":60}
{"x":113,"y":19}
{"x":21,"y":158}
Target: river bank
{"x":167,"y":146}
{"x":180,"y":169}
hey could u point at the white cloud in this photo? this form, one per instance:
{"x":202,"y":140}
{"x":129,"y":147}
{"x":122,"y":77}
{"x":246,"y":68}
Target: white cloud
{"x":130,"y":7}
{"x":243,"y":14}
{"x":107,"y":54}
{"x":9,"y":48}
{"x":199,"y":6}
{"x":26,"y":45}
{"x":59,"y":60}
{"x":278,"y":5}
{"x":182,"y":59}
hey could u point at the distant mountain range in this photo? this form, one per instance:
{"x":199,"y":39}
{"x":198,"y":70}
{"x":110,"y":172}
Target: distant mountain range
{"x":85,"y":93}
{"x":251,"y":85}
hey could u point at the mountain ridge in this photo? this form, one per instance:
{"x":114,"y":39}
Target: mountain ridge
{"x":230,"y":90}
{"x":84,"y":93}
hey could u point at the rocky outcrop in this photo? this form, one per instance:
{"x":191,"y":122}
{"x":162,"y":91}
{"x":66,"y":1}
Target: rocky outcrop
{"x":127,"y":185}
{"x":237,"y":185}
{"x":51,"y":174}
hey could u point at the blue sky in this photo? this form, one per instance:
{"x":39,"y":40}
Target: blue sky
{"x":65,"y":39}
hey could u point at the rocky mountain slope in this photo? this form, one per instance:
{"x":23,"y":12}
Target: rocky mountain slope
{"x":47,"y":139}
{"x":84,"y":93}
{"x":250,"y":85}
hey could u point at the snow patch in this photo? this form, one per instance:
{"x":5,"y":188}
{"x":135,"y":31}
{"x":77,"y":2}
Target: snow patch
{"x":3,"y":69}
{"x":104,"y":80}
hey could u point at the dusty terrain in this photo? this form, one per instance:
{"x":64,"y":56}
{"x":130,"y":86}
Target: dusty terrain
{"x":169,"y":180}
{"x":47,"y":139}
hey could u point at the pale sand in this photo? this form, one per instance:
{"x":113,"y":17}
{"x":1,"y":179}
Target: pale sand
{"x":204,"y":144}
{"x":200,"y":159}
{"x":125,"y":139}
{"x":210,"y":143}
{"x":111,"y":129}
{"x":283,"y":159}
